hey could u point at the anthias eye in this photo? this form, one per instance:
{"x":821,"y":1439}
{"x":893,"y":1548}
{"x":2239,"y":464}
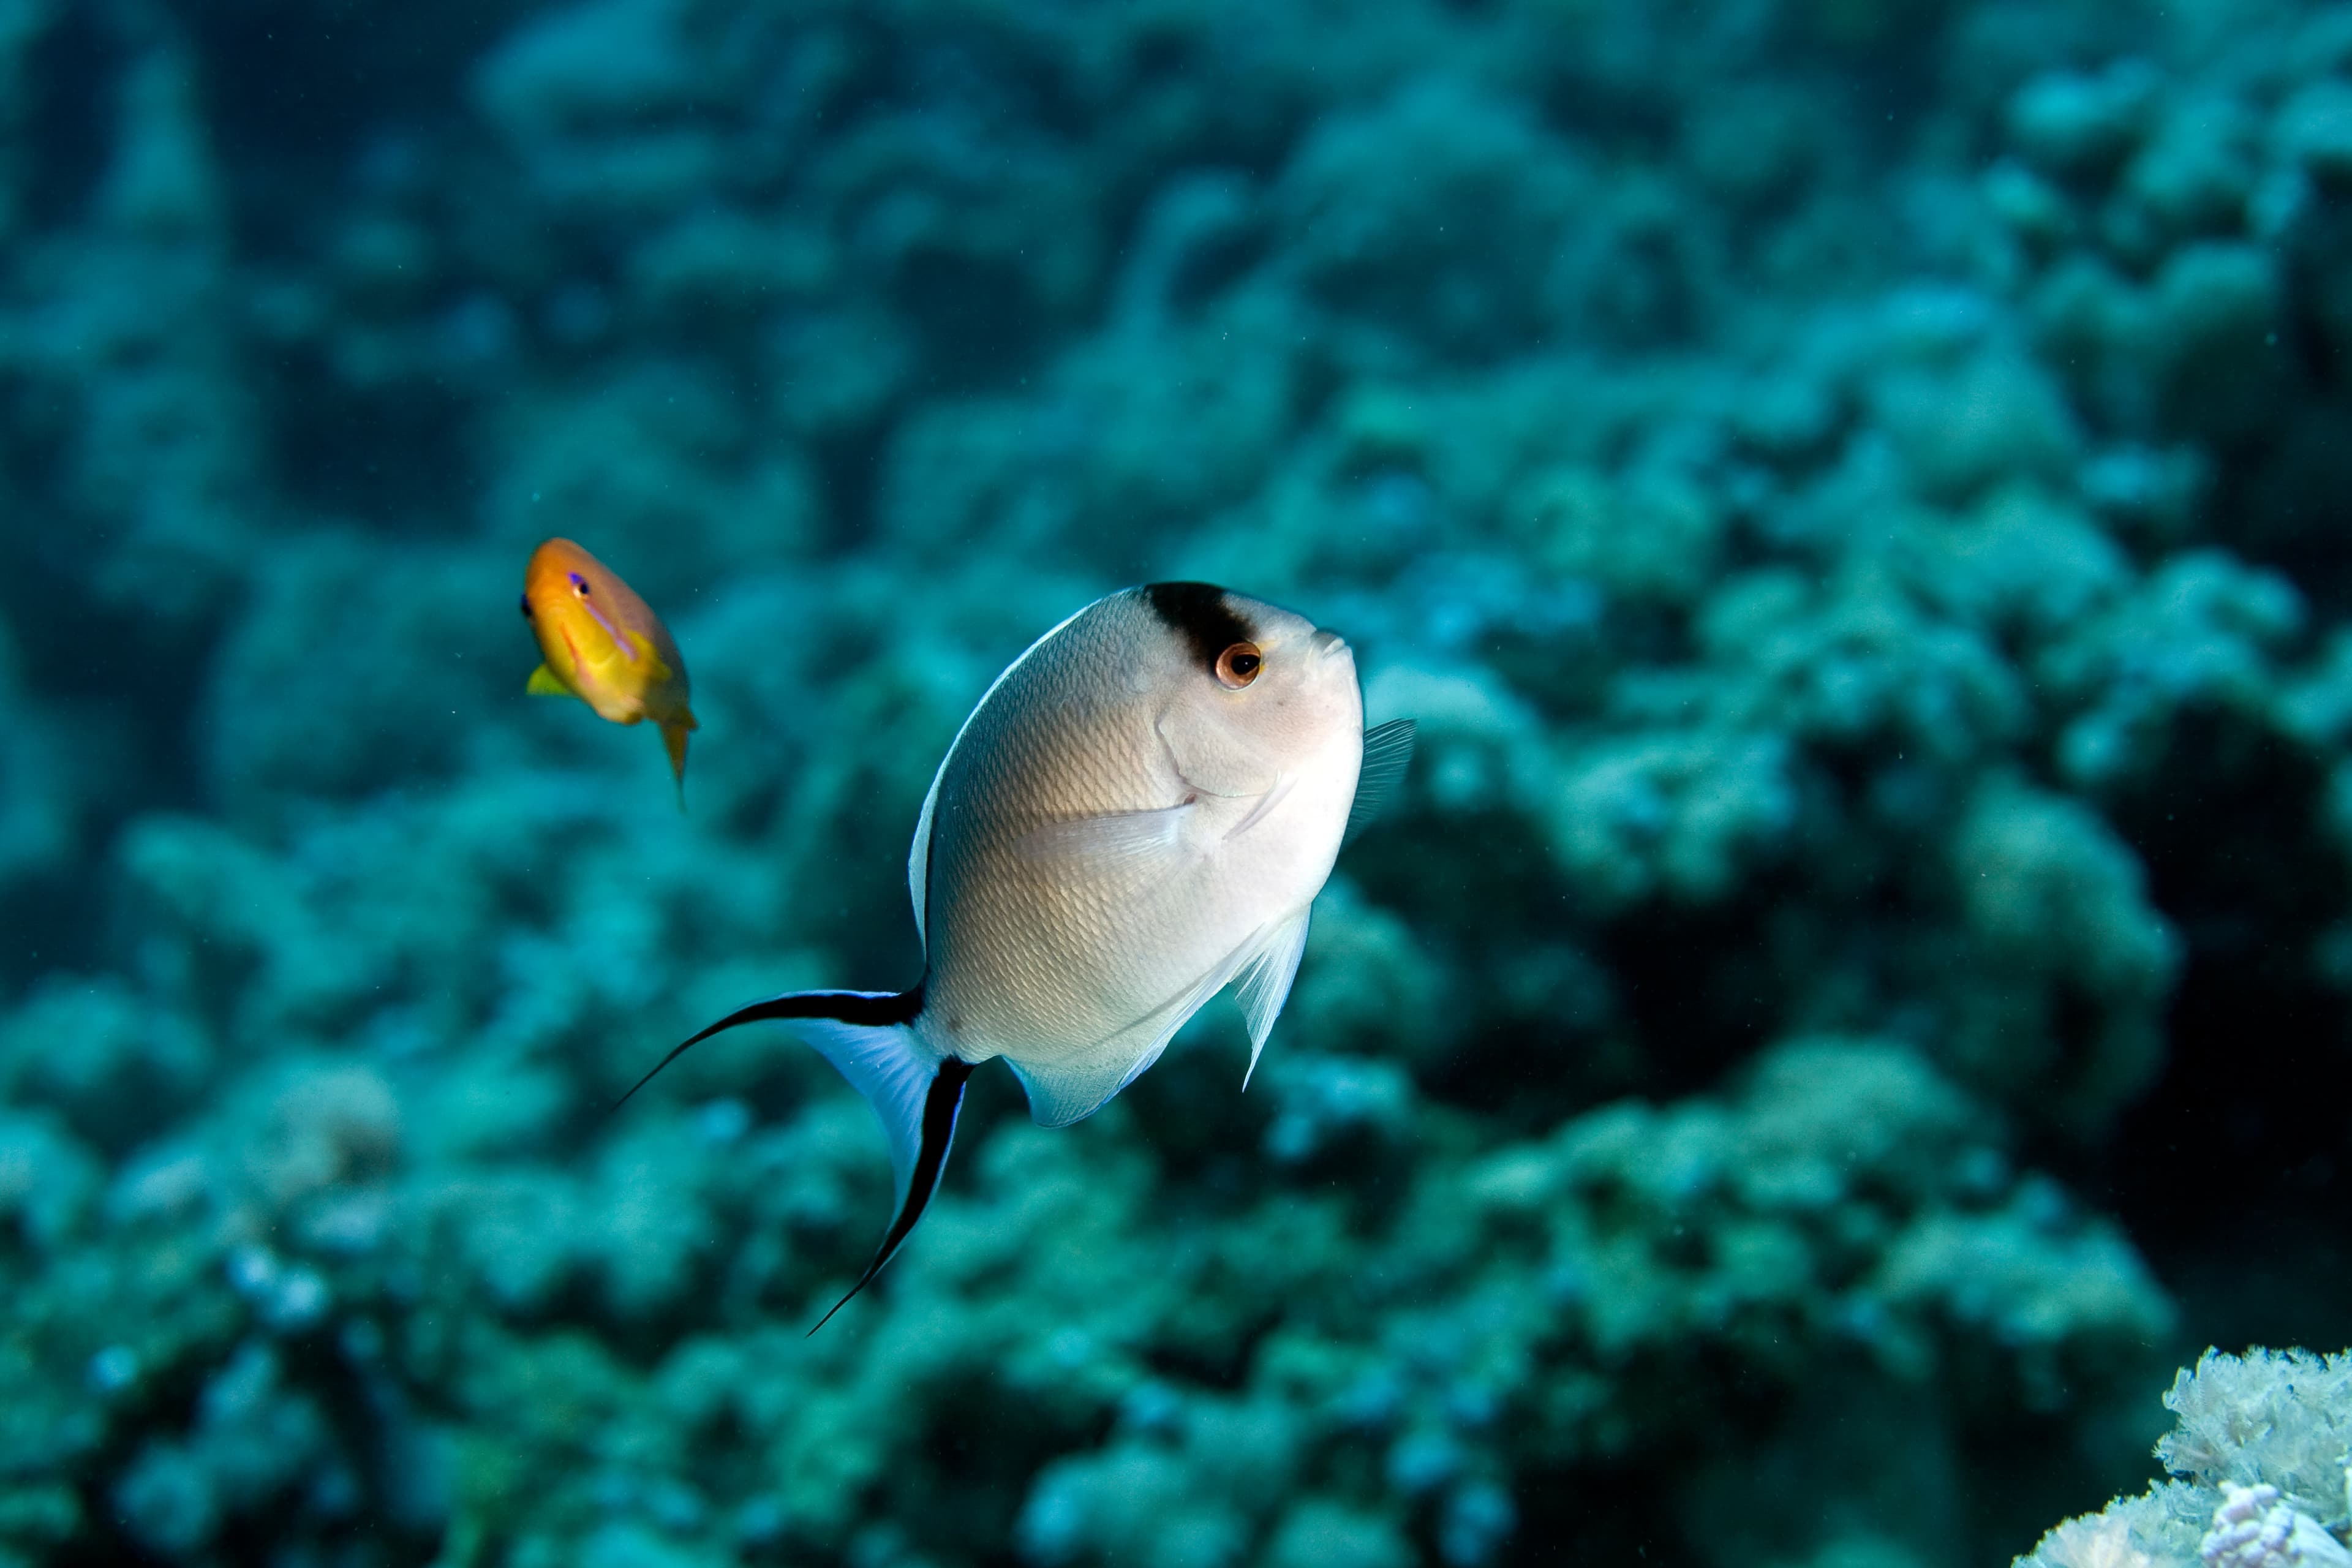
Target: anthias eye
{"x":580,"y":584}
{"x":1239,"y":665}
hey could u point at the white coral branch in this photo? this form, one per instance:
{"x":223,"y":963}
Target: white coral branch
{"x":2253,"y":1529}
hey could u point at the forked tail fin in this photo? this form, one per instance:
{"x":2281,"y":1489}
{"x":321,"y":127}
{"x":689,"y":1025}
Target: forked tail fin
{"x":674,"y":733}
{"x":914,"y":1090}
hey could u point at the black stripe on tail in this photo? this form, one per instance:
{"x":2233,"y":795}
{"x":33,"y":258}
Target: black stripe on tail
{"x":847,"y":1007}
{"x":939,"y":1108}
{"x":941,"y":1100}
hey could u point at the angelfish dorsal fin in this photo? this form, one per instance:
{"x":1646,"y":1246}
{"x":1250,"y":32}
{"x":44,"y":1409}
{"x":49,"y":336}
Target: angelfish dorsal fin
{"x":1388,"y":752}
{"x":918,"y":862}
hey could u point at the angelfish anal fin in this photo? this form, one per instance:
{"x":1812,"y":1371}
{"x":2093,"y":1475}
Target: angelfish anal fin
{"x":544,"y":683}
{"x":1073,"y":1088}
{"x":1388,"y":752}
{"x":1263,"y":983}
{"x":1066,"y":1093}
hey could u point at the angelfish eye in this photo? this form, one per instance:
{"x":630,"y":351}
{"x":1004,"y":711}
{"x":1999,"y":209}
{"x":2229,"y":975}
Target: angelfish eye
{"x":1239,"y":665}
{"x":526,"y":606}
{"x":580,"y":584}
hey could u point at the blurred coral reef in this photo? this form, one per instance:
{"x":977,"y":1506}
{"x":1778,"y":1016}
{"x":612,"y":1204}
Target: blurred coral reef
{"x":1854,"y":990}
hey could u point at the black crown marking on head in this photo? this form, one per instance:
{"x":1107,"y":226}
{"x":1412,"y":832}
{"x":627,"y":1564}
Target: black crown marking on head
{"x":1199,"y":612}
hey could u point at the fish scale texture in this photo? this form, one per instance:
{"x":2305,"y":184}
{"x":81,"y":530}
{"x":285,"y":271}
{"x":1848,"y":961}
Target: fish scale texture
{"x":1849,"y":996}
{"x":1096,"y":863}
{"x":1045,"y":955}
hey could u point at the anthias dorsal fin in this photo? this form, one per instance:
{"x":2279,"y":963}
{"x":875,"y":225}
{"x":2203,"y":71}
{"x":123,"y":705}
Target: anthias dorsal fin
{"x":915,"y":1090}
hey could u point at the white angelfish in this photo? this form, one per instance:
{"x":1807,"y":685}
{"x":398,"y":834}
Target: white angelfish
{"x":1139,"y":814}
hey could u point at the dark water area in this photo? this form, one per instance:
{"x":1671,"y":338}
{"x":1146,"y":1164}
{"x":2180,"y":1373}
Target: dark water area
{"x":1850,"y":998}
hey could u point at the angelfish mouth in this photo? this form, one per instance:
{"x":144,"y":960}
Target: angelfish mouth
{"x":1327,"y":643}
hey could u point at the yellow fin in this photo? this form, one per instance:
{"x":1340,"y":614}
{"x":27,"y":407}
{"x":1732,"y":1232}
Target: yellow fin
{"x":544,"y":682}
{"x":655,"y":670}
{"x":673,"y":733}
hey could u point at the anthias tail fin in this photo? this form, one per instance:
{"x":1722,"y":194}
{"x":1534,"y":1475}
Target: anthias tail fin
{"x":1388,"y":752}
{"x":674,"y":733}
{"x":915,"y":1090}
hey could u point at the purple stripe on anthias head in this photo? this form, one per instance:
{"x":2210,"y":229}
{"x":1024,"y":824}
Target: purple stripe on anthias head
{"x":588,"y":602}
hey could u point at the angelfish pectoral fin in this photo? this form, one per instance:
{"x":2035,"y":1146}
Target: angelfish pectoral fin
{"x":1388,"y":752}
{"x":915,"y":1090}
{"x":1144,"y":843}
{"x":544,"y":682}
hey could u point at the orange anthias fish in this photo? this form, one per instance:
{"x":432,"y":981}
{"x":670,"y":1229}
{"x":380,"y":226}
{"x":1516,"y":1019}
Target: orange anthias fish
{"x":604,"y":646}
